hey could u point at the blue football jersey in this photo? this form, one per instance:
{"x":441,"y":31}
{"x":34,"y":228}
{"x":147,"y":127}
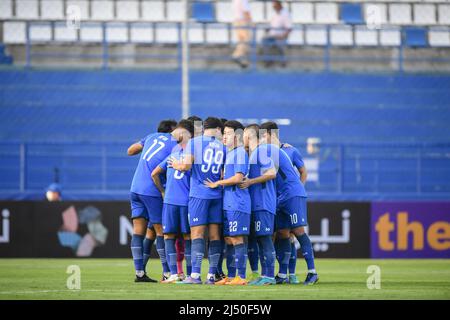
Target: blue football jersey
{"x":235,"y":198}
{"x":294,"y":155}
{"x":263,"y":195}
{"x":177,"y":182}
{"x":209,"y":158}
{"x":157,"y":147}
{"x":288,"y":179}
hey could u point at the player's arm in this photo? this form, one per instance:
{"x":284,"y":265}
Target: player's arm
{"x":303,"y":174}
{"x":269,"y":174}
{"x":155,"y":177}
{"x":184,"y":164}
{"x":232,"y":181}
{"x":135,"y":149}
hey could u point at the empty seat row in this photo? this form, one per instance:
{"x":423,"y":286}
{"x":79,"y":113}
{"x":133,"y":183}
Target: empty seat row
{"x":215,"y":33}
{"x":398,"y":12}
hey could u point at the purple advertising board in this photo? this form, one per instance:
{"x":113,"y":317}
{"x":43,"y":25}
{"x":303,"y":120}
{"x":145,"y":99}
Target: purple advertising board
{"x":410,"y":230}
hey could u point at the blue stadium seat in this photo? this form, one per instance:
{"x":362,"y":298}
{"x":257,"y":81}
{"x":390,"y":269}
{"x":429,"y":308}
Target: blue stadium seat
{"x":4,"y":58}
{"x":203,"y":12}
{"x":415,"y":37}
{"x":351,"y":13}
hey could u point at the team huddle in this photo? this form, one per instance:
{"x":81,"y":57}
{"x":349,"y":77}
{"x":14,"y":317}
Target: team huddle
{"x":239,"y":186}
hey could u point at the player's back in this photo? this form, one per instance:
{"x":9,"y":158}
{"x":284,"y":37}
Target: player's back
{"x":177,"y":185}
{"x":157,"y":147}
{"x":209,"y":158}
{"x":288,"y":179}
{"x":263,"y":195}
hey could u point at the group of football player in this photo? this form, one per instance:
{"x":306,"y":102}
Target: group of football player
{"x":217,"y":185}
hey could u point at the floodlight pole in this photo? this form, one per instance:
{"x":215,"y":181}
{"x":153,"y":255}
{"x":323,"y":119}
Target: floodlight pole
{"x":185,"y":61}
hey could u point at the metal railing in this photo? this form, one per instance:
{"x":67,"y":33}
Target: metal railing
{"x":395,"y":62}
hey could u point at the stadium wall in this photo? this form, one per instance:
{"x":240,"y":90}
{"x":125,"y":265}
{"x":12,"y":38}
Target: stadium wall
{"x":336,"y":229}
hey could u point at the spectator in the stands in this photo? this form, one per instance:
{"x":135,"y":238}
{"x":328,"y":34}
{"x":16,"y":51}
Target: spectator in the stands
{"x":242,"y":23}
{"x":274,"y":42}
{"x":53,"y":192}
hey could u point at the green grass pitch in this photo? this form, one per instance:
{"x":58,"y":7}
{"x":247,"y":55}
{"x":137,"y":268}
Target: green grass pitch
{"x":113,"y":279}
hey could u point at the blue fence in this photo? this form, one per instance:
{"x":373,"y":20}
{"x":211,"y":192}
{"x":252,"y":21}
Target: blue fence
{"x":407,"y":39}
{"x":370,"y":171}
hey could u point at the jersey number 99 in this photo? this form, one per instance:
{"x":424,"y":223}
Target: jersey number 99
{"x":212,"y":162}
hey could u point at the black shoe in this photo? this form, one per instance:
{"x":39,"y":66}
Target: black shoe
{"x":164,"y":277}
{"x":241,"y":62}
{"x":144,"y":278}
{"x":219,"y":276}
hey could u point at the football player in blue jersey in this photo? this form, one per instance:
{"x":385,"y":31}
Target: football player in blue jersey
{"x":176,"y":197}
{"x":291,"y":208}
{"x":146,"y":200}
{"x":261,"y":184}
{"x":236,"y":203}
{"x":205,"y":154}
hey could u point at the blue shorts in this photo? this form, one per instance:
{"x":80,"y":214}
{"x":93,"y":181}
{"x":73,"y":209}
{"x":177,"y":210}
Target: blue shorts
{"x":262,"y":223}
{"x":147,"y":207}
{"x":291,"y":214}
{"x":236,"y":223}
{"x":204,"y":211}
{"x":175,"y":219}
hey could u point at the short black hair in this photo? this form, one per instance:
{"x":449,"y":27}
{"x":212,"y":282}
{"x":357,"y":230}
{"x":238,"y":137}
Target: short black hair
{"x":271,"y":127}
{"x":194,"y":118}
{"x":167,"y":126}
{"x":255,"y":127}
{"x":186,"y":124}
{"x":234,"y":124}
{"x":212,"y":123}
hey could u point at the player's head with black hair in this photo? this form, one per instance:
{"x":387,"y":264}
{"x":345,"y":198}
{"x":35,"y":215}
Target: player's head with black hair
{"x":187,"y":125}
{"x":213,"y":126}
{"x":194,"y":118}
{"x":223,"y":122}
{"x":233,"y":133}
{"x":212,"y":123}
{"x":167,"y":126}
{"x":184,"y":131}
{"x":269,"y":132}
{"x":198,"y":125}
{"x":251,"y":135}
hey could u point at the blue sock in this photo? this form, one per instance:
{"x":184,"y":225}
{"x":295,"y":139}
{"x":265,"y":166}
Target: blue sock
{"x":307,"y":250}
{"x":231,"y":263}
{"x":160,"y":247}
{"x":262,"y":260}
{"x":241,"y":259}
{"x":171,"y":254}
{"x":269,"y":255}
{"x":253,"y":253}
{"x":279,"y":256}
{"x":197,"y":253}
{"x":137,"y":252}
{"x":148,"y":243}
{"x":187,"y":256}
{"x":284,"y":253}
{"x":293,"y":259}
{"x":222,"y":255}
{"x":214,"y":252}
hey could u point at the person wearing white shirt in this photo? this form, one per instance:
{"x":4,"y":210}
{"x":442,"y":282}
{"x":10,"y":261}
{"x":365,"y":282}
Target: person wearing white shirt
{"x":241,"y":22}
{"x":277,"y":34}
